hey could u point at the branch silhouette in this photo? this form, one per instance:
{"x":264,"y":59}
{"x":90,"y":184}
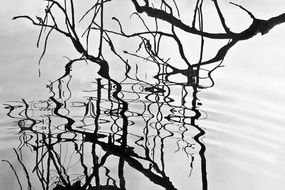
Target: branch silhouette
{"x":257,"y":26}
{"x":114,"y":141}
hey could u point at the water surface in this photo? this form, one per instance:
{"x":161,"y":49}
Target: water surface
{"x":137,"y":131}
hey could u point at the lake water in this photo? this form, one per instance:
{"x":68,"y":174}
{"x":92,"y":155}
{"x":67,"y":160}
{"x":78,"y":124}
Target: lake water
{"x":137,"y":131}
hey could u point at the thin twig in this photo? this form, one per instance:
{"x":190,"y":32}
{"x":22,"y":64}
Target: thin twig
{"x":248,"y":12}
{"x":17,"y":177}
{"x":222,"y":19}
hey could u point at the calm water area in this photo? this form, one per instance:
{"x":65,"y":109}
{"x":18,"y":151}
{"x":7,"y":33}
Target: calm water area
{"x":136,"y":130}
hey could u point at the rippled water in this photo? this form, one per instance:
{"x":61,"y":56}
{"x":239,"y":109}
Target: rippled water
{"x":133,"y":131}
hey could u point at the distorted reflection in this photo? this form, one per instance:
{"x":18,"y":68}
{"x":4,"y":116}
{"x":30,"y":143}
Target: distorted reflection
{"x":131,"y":131}
{"x":92,"y":143}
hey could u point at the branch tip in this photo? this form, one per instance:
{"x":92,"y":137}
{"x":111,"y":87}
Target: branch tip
{"x":248,"y":12}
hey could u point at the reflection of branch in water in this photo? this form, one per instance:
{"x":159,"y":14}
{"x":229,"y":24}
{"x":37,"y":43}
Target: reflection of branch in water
{"x":201,"y":133}
{"x":184,"y":118}
{"x":111,"y":124}
{"x":15,"y":173}
{"x":25,"y":169}
{"x":117,"y":144}
{"x":123,"y":151}
{"x":67,"y":74}
{"x":49,"y":156}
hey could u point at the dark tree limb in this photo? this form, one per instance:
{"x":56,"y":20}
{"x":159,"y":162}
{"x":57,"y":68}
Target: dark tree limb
{"x":41,"y":24}
{"x":152,"y":45}
{"x":227,"y":30}
{"x":160,"y":14}
{"x":270,"y":23}
{"x":257,"y":26}
{"x":219,"y":56}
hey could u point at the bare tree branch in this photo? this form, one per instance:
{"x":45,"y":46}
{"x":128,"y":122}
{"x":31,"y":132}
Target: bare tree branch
{"x":248,"y":12}
{"x":221,"y":17}
{"x":160,"y":14}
